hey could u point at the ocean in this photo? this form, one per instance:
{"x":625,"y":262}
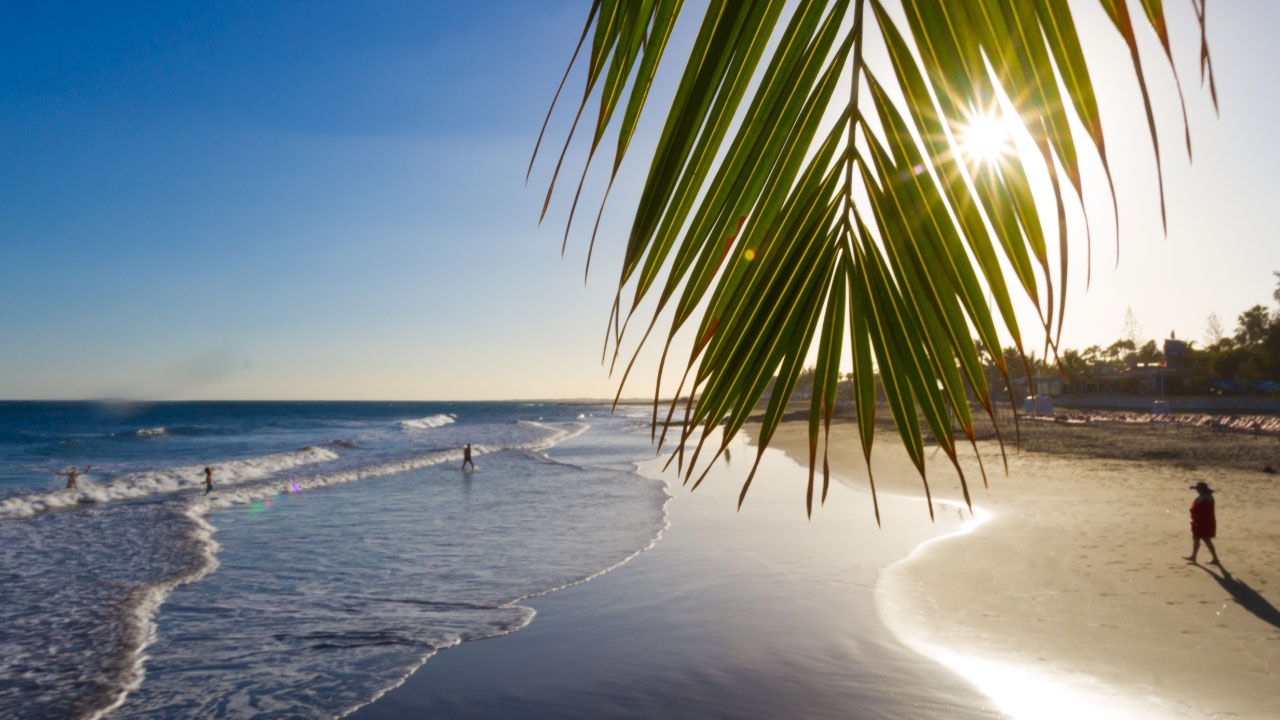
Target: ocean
{"x":341,"y":547}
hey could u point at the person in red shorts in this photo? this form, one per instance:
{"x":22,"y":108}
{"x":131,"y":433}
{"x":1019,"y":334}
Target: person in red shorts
{"x":1203,"y":523}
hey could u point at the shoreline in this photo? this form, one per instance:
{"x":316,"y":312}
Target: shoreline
{"x":522,"y":601}
{"x":1074,"y":587}
{"x":146,"y":601}
{"x":756,"y":613}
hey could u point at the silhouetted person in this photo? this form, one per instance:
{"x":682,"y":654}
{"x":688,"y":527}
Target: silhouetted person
{"x":208,"y":480}
{"x":1204,"y":526}
{"x":73,"y":476}
{"x":466,"y":458}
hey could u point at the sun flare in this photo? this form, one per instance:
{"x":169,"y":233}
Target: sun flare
{"x":986,"y":139}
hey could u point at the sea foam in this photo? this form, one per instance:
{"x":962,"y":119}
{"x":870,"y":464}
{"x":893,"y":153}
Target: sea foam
{"x":151,"y":432}
{"x":192,"y":554}
{"x":426,"y":423}
{"x":160,"y":482}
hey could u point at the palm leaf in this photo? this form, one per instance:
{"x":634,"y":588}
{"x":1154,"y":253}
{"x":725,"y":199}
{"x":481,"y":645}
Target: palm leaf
{"x":775,"y":223}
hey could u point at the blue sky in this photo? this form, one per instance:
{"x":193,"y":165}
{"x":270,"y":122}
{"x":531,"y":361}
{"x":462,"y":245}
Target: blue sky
{"x":327,"y":200}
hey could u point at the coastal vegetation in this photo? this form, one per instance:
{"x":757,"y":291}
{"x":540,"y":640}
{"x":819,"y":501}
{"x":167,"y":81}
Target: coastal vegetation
{"x":804,"y":201}
{"x":1247,"y":361}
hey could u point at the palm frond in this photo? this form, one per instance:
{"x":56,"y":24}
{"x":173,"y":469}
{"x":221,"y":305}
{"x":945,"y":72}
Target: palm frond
{"x":796,"y":194}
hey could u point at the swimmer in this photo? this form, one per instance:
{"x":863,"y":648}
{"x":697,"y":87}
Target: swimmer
{"x":466,"y":458}
{"x":73,"y":475}
{"x":208,"y":480}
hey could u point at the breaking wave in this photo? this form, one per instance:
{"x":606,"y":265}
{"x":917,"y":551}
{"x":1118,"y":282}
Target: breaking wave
{"x":185,"y":539}
{"x":151,"y":432}
{"x":161,"y":482}
{"x":426,"y":423}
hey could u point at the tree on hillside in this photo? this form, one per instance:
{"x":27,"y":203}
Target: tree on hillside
{"x":1132,"y":329}
{"x":1072,"y":361}
{"x":1119,"y":350}
{"x":1149,"y":353}
{"x":1213,"y":332}
{"x":1254,"y":324}
{"x":800,"y":199}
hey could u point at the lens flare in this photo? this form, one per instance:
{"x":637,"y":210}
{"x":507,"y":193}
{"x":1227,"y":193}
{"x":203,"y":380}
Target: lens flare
{"x":986,"y":139}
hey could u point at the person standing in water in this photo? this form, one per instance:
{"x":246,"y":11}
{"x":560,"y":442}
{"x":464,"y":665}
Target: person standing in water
{"x":73,"y":476}
{"x":208,"y":480}
{"x":466,"y":458}
{"x":1204,"y":525}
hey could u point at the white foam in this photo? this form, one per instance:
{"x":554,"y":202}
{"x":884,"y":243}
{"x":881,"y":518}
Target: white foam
{"x":426,"y":423}
{"x":152,"y":432}
{"x":159,"y":482}
{"x":555,"y":437}
{"x":147,"y":600}
{"x":222,"y":499}
{"x":144,"y":605}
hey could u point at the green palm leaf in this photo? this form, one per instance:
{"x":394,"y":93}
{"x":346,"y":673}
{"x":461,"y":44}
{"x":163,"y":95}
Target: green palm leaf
{"x":874,"y":237}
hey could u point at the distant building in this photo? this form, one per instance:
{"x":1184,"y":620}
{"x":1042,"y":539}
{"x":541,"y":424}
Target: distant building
{"x":1174,"y":349}
{"x":1143,"y":379}
{"x":1041,"y":385}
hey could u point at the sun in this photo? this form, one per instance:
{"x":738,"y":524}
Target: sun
{"x":986,"y":139}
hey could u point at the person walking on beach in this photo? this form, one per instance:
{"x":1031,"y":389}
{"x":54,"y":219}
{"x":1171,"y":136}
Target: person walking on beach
{"x":73,"y":476}
{"x":208,"y":480}
{"x":466,"y":458}
{"x":1204,"y":526}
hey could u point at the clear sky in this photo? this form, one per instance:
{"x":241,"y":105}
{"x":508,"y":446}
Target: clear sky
{"x":320,"y":200}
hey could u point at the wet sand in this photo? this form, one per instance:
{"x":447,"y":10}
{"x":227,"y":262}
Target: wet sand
{"x":1073,"y":598}
{"x":757,"y":614}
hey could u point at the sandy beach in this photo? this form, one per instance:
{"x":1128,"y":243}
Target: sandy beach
{"x":1064,"y":594}
{"x":1073,"y":596}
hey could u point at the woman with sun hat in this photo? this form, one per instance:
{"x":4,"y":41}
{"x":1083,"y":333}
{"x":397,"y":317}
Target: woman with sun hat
{"x":1204,"y":525}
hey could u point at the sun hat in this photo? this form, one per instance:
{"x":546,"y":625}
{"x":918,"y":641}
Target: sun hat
{"x":1202,"y":487}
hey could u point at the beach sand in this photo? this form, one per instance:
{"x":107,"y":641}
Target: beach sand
{"x":754,"y":614}
{"x":1073,"y":596}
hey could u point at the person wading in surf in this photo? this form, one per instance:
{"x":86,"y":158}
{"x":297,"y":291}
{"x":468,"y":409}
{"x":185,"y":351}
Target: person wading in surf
{"x":466,"y":458}
{"x":208,"y":480}
{"x":73,"y":476}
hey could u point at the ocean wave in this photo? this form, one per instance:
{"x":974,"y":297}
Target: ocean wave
{"x":237,"y":483}
{"x":143,"y":605}
{"x":152,"y":433}
{"x":426,"y":423}
{"x":19,"y":435}
{"x":251,"y":492}
{"x":554,"y":437}
{"x":160,"y":482}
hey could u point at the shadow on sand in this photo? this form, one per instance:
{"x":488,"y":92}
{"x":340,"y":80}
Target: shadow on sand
{"x":1247,"y":597}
